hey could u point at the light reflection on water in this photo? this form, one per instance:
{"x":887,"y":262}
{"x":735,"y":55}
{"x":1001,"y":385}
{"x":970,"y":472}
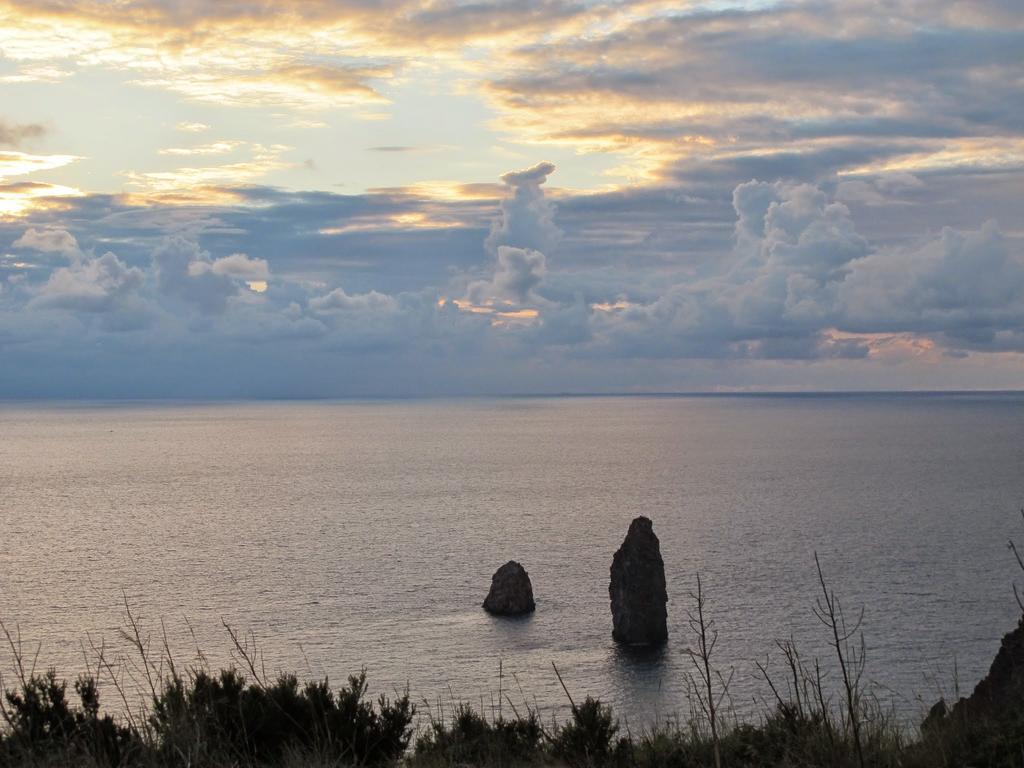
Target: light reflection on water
{"x":364,"y":534}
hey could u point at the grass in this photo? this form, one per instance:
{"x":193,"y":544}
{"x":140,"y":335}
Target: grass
{"x":237,"y":717}
{"x":222,"y":720}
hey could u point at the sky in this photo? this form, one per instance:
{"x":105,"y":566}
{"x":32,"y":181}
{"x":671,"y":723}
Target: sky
{"x":344,"y":198}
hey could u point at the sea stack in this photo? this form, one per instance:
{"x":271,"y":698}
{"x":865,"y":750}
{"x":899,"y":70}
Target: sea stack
{"x":511,"y":592}
{"x":637,"y":588}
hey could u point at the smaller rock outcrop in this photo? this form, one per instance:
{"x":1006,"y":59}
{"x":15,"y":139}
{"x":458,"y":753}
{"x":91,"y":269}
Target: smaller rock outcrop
{"x":511,"y":592}
{"x":637,"y":588}
{"x":1001,"y":692}
{"x":987,"y":727}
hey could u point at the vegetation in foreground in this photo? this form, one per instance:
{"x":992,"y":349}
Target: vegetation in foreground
{"x":202,"y":719}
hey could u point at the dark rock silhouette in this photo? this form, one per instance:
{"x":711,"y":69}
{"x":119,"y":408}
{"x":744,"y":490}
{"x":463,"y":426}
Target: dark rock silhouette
{"x":935,"y":718}
{"x":637,"y":588}
{"x":999,"y":695}
{"x":511,"y":592}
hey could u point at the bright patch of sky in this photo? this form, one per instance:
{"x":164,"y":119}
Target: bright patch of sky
{"x":121,"y":132}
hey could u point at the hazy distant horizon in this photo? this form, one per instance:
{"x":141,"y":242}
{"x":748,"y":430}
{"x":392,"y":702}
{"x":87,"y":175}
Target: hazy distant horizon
{"x":824,"y":393}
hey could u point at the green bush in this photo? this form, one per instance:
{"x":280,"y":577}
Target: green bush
{"x":472,"y":739}
{"x":226,"y":719}
{"x":588,"y":740}
{"x":206,"y":720}
{"x":42,"y":724}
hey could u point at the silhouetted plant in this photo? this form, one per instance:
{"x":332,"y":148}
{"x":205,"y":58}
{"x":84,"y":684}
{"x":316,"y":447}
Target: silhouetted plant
{"x":43,"y":725}
{"x":589,"y":738}
{"x":472,"y":739}
{"x":224,"y":717}
{"x":709,"y":686}
{"x":849,"y":655}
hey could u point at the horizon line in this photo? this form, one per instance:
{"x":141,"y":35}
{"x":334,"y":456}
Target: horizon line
{"x":752,"y":393}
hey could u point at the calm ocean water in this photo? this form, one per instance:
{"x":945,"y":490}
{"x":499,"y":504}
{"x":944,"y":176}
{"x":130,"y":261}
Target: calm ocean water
{"x":364,"y":534}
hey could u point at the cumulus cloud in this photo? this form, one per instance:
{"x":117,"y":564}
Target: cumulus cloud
{"x":802,"y":283}
{"x":339,"y":301}
{"x":90,"y":285}
{"x":58,"y":241}
{"x":525,"y":223}
{"x":517,"y":273}
{"x":241,"y":266}
{"x":791,"y":242}
{"x":187,"y":272}
{"x":789,"y":275}
{"x":965,"y":284}
{"x":773,"y":296}
{"x":527,"y":216}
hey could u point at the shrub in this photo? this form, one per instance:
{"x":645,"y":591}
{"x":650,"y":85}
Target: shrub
{"x":224,"y":718}
{"x":589,"y":738}
{"x":472,"y":739}
{"x":43,"y":725}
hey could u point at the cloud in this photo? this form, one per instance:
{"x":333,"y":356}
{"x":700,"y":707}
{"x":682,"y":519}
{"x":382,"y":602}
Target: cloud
{"x":186,"y":272}
{"x":58,"y":241}
{"x":660,"y":89}
{"x":653,"y":85}
{"x":476,"y":22}
{"x":518,"y":272}
{"x":526,"y":222}
{"x":701,"y":95}
{"x":200,"y":183}
{"x":646,"y":285}
{"x":213,"y":148}
{"x":13,"y":134}
{"x":90,"y":285}
{"x":14,"y":163}
{"x":335,"y":80}
{"x":311,"y":55}
{"x":767,"y":182}
{"x":338,"y":301}
{"x":527,"y":216}
{"x":404,"y":148}
{"x":241,"y":266}
{"x":21,"y":199}
{"x":800,"y":274}
{"x":968,"y":285}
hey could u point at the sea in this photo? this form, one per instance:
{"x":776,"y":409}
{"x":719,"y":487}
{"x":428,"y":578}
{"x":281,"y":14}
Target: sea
{"x":334,"y":537}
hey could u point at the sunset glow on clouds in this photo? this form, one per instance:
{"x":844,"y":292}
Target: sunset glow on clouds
{"x":348,"y":198}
